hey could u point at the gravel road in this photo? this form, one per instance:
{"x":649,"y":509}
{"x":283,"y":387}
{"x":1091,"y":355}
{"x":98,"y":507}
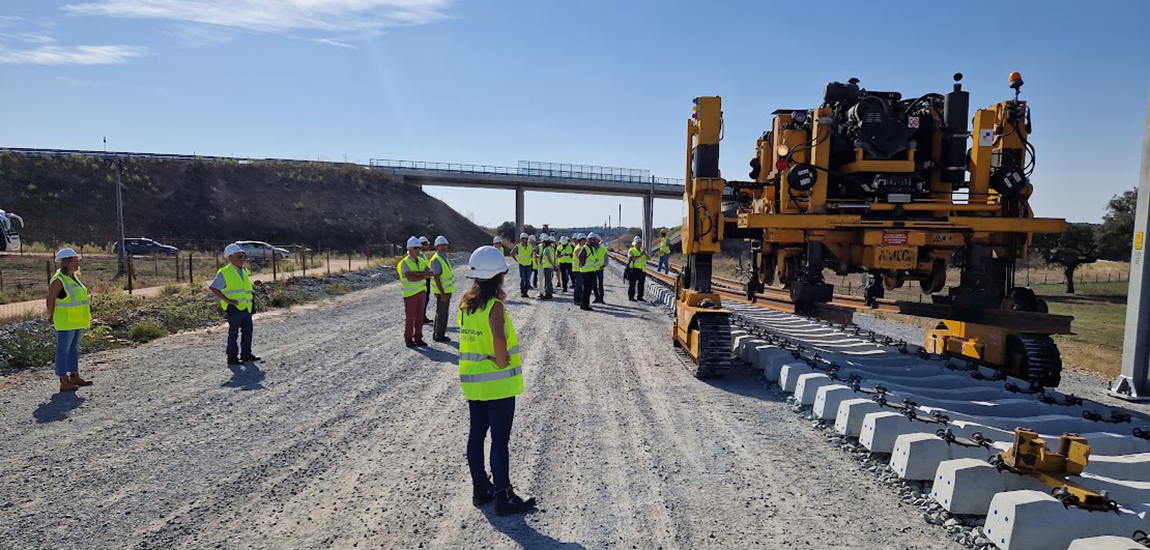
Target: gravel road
{"x":343,"y":438}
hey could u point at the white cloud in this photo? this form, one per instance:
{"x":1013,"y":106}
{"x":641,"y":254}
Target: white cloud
{"x":201,"y":36}
{"x":69,"y":55}
{"x":26,"y":37}
{"x":333,"y":42}
{"x":349,"y":17}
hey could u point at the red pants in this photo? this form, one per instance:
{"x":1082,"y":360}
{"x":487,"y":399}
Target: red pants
{"x":413,"y":317}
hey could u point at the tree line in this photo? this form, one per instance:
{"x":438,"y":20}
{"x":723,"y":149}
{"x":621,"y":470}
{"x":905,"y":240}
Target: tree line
{"x":1086,"y":243}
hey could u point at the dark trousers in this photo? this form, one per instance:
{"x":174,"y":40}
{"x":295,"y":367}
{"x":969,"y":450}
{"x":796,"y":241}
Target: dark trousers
{"x":635,"y":284}
{"x":599,"y":285}
{"x":577,"y":287}
{"x":589,"y":278}
{"x":565,"y":274}
{"x":534,"y":277}
{"x":442,"y":305}
{"x":413,"y":307}
{"x":524,"y":278}
{"x":497,"y":417}
{"x":239,"y":320}
{"x":427,"y":301}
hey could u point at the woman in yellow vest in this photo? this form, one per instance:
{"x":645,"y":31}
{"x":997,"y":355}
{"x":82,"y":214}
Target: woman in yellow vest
{"x":71,"y":315}
{"x":637,"y":265}
{"x":491,"y":374}
{"x":442,"y":286}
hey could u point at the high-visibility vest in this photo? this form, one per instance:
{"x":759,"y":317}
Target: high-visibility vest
{"x":641,"y":261}
{"x":524,"y":253}
{"x":481,"y":378}
{"x":535,"y":255}
{"x":565,"y":253}
{"x":73,"y":311}
{"x":237,"y":288}
{"x":447,"y":278}
{"x":575,"y":259}
{"x":665,"y":247}
{"x":600,"y":257}
{"x":547,"y":258}
{"x":411,"y":288}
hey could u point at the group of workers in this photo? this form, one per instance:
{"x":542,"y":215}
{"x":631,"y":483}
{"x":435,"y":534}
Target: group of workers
{"x":490,"y":366}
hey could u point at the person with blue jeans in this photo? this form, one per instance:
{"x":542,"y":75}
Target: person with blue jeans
{"x":524,"y":253}
{"x":233,"y":287}
{"x":665,"y":254}
{"x":71,"y":315}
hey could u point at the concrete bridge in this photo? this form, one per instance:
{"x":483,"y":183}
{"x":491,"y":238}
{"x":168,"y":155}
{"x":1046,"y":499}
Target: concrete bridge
{"x":540,"y":176}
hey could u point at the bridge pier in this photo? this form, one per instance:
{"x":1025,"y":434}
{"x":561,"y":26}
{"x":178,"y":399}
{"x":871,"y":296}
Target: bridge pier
{"x":648,"y":206}
{"x":518,"y":213}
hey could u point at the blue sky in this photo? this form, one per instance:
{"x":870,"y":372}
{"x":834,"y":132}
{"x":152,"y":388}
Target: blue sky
{"x":593,"y":82}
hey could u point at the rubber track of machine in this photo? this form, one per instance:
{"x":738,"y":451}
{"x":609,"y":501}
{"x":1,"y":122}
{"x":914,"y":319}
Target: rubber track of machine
{"x":1043,"y":360}
{"x":714,"y":346}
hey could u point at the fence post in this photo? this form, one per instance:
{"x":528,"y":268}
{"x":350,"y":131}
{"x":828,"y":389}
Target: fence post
{"x":130,"y":273}
{"x":191,"y":275}
{"x":328,"y":261}
{"x":178,"y":271}
{"x":303,"y":256}
{"x":1,"y":279}
{"x":349,"y":261}
{"x":275,"y":266}
{"x":48,"y":269}
{"x":155,"y":265}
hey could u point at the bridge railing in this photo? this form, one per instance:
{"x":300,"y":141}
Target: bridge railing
{"x":575,"y":172}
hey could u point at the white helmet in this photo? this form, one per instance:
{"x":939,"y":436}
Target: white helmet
{"x":497,"y":240}
{"x":580,"y":236}
{"x":531,"y":238}
{"x":563,"y":239}
{"x":440,"y":240}
{"x":413,"y":242}
{"x":424,"y":240}
{"x":523,"y":236}
{"x":637,"y":240}
{"x":232,"y":249}
{"x":486,"y":262}
{"x":593,"y":236}
{"x":544,"y":237}
{"x":66,"y":253}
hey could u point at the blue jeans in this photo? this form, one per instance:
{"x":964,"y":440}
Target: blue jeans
{"x":599,"y":285}
{"x":665,"y":264}
{"x":68,"y":351}
{"x":497,"y":416}
{"x":241,"y":320}
{"x":524,"y":278}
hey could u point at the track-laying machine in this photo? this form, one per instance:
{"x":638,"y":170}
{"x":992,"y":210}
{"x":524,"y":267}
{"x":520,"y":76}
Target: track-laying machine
{"x":897,"y":188}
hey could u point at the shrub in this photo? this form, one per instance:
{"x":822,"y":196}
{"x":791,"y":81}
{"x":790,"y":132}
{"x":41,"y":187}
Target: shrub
{"x":337,"y":289}
{"x":171,"y":289}
{"x":31,"y":348}
{"x":146,"y":330}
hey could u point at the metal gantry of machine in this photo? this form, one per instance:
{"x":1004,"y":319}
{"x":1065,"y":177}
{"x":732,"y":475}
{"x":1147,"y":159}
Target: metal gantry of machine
{"x":897,"y":188}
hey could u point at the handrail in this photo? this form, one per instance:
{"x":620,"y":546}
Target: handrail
{"x":532,"y":171}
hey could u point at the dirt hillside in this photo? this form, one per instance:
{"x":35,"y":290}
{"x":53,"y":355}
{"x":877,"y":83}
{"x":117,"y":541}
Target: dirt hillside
{"x":341,"y":207}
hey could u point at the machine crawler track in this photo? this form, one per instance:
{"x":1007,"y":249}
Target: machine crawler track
{"x":1040,"y":359}
{"x":714,"y":347}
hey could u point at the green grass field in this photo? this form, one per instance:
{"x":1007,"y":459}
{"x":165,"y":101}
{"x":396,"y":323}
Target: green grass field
{"x":1099,"y":311}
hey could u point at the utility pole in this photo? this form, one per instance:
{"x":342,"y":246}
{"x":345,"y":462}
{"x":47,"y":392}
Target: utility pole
{"x":1134,"y":381}
{"x":620,"y":218}
{"x":122,"y":269}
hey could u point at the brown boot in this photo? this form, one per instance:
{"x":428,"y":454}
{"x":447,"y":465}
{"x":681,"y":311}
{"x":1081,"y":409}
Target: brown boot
{"x":75,"y":379}
{"x":67,"y":385}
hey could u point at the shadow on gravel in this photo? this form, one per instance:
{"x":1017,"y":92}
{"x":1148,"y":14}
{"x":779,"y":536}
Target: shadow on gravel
{"x":438,"y":355}
{"x":614,"y":310}
{"x":247,"y":377}
{"x":57,"y":408}
{"x":745,"y":381}
{"x":517,"y":529}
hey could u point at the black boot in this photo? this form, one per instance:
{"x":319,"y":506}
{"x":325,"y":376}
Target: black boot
{"x":507,"y":502}
{"x":482,"y":493}
{"x":233,"y":360}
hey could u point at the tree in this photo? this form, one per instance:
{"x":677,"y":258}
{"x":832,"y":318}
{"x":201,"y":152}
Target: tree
{"x":1117,"y":231}
{"x":1068,"y":250}
{"x":506,"y":231}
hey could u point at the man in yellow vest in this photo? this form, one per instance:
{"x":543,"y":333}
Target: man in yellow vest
{"x":413,"y":272}
{"x":534,"y":260}
{"x":233,"y":286}
{"x":599,"y":254}
{"x":442,"y":286}
{"x":585,"y":267}
{"x":547,"y":264}
{"x":577,"y":267}
{"x":637,"y":267}
{"x":563,"y":254}
{"x":524,"y":254}
{"x":665,"y":253}
{"x":425,"y":251}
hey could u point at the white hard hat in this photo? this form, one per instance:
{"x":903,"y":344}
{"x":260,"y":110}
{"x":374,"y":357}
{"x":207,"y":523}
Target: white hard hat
{"x":232,"y":249}
{"x":563,"y":239}
{"x":593,"y":236}
{"x":497,"y":240}
{"x":486,"y":262}
{"x":66,"y":253}
{"x":523,"y":235}
{"x":580,"y":236}
{"x":637,"y":240}
{"x":543,"y":237}
{"x":531,"y":237}
{"x":440,"y":240}
{"x":413,"y":242}
{"x":424,"y":240}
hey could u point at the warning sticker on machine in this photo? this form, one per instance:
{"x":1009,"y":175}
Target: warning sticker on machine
{"x":912,"y":122}
{"x":1138,"y":241}
{"x":894,"y":238}
{"x":985,"y":138}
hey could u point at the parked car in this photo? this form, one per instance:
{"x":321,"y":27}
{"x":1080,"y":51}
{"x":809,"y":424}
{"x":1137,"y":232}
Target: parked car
{"x":259,"y":250}
{"x":141,"y":246}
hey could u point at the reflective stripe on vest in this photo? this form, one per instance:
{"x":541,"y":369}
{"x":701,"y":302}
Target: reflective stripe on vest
{"x":446,"y":278}
{"x":236,"y":287}
{"x":664,"y":247}
{"x":641,"y":261}
{"x":523,"y":254}
{"x":72,"y":312}
{"x":411,"y":288}
{"x":547,"y":258}
{"x":481,"y":378}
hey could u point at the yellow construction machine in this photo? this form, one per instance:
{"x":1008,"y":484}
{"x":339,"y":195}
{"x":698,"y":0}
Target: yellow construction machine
{"x":899,"y":189}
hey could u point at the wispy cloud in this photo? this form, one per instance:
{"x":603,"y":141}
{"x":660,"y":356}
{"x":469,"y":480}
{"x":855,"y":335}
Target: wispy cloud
{"x":70,"y":55}
{"x":344,"y":17}
{"x":201,"y":36}
{"x":333,"y":42}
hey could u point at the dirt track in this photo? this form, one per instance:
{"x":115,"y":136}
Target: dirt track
{"x":342,"y":438}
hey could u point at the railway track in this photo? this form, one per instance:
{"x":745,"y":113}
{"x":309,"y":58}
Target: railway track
{"x":928,"y":426}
